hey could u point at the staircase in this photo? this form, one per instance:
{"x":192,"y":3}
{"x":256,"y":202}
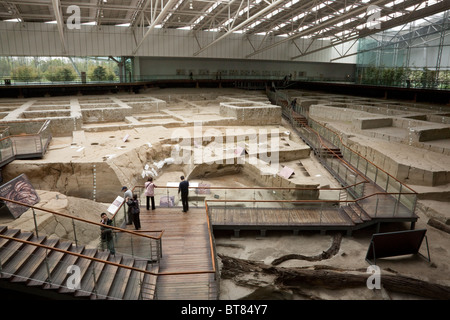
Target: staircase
{"x":357,"y":215}
{"x":50,"y":269}
{"x":329,"y":153}
{"x":300,"y":120}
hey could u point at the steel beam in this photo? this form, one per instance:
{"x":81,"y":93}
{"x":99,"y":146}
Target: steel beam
{"x":241,"y":25}
{"x":157,"y":20}
{"x":60,"y":23}
{"x":318,"y":27}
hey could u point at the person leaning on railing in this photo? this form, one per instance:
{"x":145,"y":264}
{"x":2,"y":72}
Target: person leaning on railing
{"x":133,"y":205}
{"x":106,"y":233}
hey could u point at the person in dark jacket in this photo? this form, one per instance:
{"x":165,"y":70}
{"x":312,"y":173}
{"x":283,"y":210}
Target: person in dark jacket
{"x":106,"y":233}
{"x":133,"y":205}
{"x":183,"y":188}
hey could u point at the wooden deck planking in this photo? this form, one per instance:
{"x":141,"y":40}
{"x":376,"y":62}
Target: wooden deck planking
{"x":278,"y":217}
{"x":185,"y":248}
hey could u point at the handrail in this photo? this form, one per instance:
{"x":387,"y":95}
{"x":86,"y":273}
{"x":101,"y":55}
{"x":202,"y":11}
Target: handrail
{"x":100,"y":260}
{"x":13,"y":140}
{"x":83,"y":220}
{"x":286,"y":105}
{"x":351,"y":150}
{"x":358,"y":154}
{"x":260,"y":188}
{"x":337,"y":156}
{"x":311,"y":200}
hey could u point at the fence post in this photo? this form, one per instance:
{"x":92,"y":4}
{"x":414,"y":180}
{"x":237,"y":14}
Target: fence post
{"x":74,"y":233}
{"x":376,"y":206}
{"x":35,"y":223}
{"x":49,"y":279}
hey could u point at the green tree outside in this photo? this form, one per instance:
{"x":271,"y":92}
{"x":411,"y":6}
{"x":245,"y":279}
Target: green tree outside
{"x":62,"y":73}
{"x":24,"y":73}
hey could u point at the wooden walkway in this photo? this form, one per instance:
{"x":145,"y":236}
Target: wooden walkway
{"x":246,"y":218}
{"x":185,"y":248}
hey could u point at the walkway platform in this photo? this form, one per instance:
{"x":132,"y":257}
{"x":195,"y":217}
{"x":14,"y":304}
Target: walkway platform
{"x":186,"y":251}
{"x":263,"y":219}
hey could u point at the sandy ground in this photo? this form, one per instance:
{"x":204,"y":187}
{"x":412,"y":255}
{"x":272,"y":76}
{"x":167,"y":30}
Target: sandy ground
{"x":351,"y":256}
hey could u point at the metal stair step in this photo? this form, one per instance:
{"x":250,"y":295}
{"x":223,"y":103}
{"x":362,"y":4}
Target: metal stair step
{"x":21,"y":257}
{"x":352,"y":214}
{"x":107,"y":278}
{"x":149,"y":283}
{"x":54,"y":258}
{"x":132,"y":291}
{"x":33,"y":262}
{"x":8,"y":233}
{"x":119,"y":284}
{"x":360,"y":212}
{"x":88,"y":282}
{"x":59,"y":274}
{"x":11,"y":248}
{"x":83,"y":264}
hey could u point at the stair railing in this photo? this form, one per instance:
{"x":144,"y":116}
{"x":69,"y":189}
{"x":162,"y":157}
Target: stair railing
{"x":380,"y":177}
{"x":70,"y":282}
{"x":15,"y":146}
{"x":66,"y":227}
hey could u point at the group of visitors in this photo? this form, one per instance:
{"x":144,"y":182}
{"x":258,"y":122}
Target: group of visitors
{"x":133,"y":211}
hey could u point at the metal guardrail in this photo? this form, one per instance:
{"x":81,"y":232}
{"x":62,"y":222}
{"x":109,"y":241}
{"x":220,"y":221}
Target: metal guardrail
{"x":406,"y":196}
{"x":26,"y":145}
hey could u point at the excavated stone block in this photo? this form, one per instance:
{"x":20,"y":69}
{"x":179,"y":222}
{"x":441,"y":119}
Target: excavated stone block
{"x":370,"y":123}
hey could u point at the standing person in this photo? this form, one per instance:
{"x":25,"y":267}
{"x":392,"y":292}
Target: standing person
{"x":150,"y":193}
{"x":106,"y":233}
{"x":183,"y":188}
{"x":293,"y":104}
{"x":133,"y":205}
{"x":128,"y":195}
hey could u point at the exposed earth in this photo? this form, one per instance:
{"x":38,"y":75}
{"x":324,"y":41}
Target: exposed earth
{"x":65,"y":183}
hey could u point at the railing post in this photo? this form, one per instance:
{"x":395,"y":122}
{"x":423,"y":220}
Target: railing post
{"x":399,"y":195}
{"x":321,"y":212}
{"x":225,"y":209}
{"x":35,"y":223}
{"x":94,"y":289}
{"x":357,"y":162}
{"x":125,"y":212}
{"x":74,"y":233}
{"x":168,"y":197}
{"x":131,"y":244}
{"x":47,"y":267}
{"x":376,"y":206}
{"x":151,"y":250}
{"x":376,"y":174}
{"x":141,"y":285}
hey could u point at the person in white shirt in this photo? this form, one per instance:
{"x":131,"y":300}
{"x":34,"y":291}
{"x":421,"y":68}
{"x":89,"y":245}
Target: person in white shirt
{"x":150,"y":193}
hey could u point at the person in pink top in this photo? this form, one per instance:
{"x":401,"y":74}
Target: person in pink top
{"x":150,"y":193}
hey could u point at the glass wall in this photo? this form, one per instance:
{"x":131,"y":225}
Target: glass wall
{"x":415,"y":55}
